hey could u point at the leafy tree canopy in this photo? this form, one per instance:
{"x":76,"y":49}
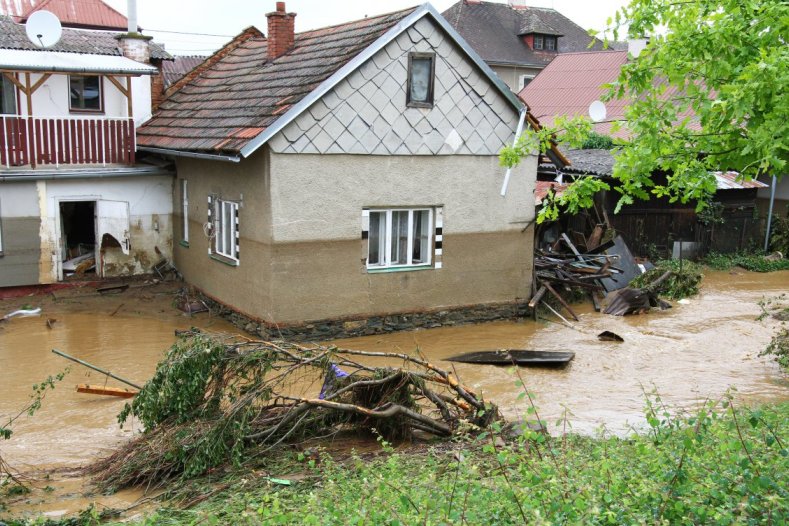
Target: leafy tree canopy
{"x":708,"y":93}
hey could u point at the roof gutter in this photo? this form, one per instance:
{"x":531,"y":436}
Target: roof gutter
{"x":48,"y":175}
{"x":62,"y":69}
{"x":367,"y":53}
{"x":191,"y":155}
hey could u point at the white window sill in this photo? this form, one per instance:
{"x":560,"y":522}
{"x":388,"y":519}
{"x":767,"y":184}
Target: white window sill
{"x":383,"y":270}
{"x":224,"y":259}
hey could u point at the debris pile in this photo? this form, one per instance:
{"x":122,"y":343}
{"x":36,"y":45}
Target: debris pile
{"x":217,"y":399}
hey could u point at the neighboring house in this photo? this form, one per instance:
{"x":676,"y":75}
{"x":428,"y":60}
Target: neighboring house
{"x":346,"y":180}
{"x":71,"y":183}
{"x":731,"y":224}
{"x":78,"y":14}
{"x":517,"y":40}
{"x":174,"y":70}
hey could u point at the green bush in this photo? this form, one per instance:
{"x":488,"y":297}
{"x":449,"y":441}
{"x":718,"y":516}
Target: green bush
{"x":597,"y":141}
{"x":683,"y":282}
{"x":753,"y":262}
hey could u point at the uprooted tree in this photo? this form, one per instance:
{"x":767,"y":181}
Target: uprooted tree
{"x":708,"y":93}
{"x":215,"y":399}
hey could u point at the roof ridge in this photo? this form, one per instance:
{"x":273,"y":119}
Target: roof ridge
{"x":610,"y":50}
{"x":383,"y":15}
{"x":219,"y":54}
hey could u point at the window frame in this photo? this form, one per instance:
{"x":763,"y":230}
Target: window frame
{"x":550,"y":43}
{"x":220,"y":227}
{"x":387,"y":242}
{"x":522,"y":78}
{"x":420,"y":55}
{"x":101,"y":95}
{"x":184,"y":212}
{"x":13,"y":92}
{"x":541,"y":41}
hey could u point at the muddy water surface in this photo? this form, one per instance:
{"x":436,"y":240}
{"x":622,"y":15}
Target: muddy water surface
{"x":691,"y":352}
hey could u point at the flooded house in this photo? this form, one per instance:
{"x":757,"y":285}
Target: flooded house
{"x":346,"y":180}
{"x":74,"y":196}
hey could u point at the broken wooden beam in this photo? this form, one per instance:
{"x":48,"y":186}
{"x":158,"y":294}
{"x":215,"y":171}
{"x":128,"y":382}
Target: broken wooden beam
{"x":561,"y":300}
{"x":535,"y":300}
{"x":120,"y":392}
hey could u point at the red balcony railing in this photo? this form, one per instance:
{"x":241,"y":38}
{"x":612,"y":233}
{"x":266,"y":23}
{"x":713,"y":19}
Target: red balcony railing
{"x":74,"y":140}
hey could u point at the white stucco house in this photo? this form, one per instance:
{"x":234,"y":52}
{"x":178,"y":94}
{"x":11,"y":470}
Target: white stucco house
{"x":71,"y":183}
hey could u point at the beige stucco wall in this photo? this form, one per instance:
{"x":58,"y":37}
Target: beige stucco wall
{"x":511,"y":74}
{"x":308,"y":262}
{"x":246,"y":286}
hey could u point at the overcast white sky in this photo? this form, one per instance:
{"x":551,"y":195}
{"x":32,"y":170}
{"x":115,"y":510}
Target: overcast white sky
{"x":228,"y":17}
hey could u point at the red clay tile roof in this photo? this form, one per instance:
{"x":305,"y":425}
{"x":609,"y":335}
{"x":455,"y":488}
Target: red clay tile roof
{"x":493,"y":31}
{"x":542,"y":188}
{"x":569,"y":84}
{"x":93,"y":14}
{"x":237,"y":98}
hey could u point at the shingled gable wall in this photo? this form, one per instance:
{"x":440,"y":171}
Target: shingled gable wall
{"x":366,"y":113}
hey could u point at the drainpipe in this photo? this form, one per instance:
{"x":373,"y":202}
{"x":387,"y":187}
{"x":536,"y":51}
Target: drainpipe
{"x":514,"y":142}
{"x":770,"y":215}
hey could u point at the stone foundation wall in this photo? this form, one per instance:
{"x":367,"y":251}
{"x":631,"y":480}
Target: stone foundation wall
{"x":322,"y":330}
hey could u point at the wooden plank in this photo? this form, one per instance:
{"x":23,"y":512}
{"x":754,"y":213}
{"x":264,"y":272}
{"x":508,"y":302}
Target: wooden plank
{"x":100,"y":142}
{"x":37,"y":141}
{"x":120,"y":392}
{"x":107,"y":141}
{"x":561,"y":300}
{"x":73,"y":141}
{"x":131,"y":141}
{"x":5,"y":143}
{"x":94,"y":151}
{"x":53,"y":149}
{"x":535,"y":300}
{"x":22,"y":147}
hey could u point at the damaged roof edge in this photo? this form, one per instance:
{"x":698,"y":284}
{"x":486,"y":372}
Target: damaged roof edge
{"x":193,"y":155}
{"x":366,"y":54}
{"x":98,"y":173}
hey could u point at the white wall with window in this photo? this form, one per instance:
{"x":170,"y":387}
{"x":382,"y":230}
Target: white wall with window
{"x":223,"y":218}
{"x":400,"y":238}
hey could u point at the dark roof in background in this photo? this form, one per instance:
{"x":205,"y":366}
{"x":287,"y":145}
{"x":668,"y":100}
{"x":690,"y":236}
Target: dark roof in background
{"x":173,"y":70}
{"x":569,"y":84}
{"x":85,"y":41}
{"x":71,"y":13}
{"x":601,"y":163}
{"x":237,"y":98}
{"x":492,"y":29}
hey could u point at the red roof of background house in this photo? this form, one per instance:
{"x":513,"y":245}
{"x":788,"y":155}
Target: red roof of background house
{"x":542,"y":188}
{"x":569,"y":84}
{"x":240,"y":93}
{"x":90,"y":14}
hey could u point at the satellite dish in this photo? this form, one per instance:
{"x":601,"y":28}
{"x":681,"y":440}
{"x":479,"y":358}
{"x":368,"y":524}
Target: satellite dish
{"x":43,"y":29}
{"x":597,"y":111}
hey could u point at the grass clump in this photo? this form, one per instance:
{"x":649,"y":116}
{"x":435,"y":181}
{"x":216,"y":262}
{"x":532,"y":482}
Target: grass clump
{"x":719,"y":465}
{"x":683,"y":282}
{"x":752,"y":262}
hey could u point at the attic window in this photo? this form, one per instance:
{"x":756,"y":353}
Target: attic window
{"x":421,"y":72}
{"x":85,"y":93}
{"x":546,"y":42}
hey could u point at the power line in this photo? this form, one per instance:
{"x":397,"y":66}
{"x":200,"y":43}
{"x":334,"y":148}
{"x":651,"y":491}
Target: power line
{"x":188,"y":33}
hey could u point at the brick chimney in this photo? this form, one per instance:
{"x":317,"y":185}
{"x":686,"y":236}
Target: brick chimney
{"x":518,"y":4}
{"x":281,"y":29}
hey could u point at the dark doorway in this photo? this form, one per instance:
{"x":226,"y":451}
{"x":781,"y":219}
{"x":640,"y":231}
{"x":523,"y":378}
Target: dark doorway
{"x":78,"y":237}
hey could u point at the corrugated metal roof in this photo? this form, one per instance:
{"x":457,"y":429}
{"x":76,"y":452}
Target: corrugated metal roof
{"x":493,"y":31}
{"x":13,"y":36}
{"x":71,"y":13}
{"x":571,"y":83}
{"x":733,"y":181}
{"x":24,"y":60}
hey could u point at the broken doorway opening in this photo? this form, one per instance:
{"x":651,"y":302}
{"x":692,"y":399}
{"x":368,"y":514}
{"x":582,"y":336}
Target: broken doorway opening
{"x":78,"y":237}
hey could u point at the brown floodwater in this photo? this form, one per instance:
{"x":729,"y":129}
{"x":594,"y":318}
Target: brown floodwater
{"x":694,"y":351}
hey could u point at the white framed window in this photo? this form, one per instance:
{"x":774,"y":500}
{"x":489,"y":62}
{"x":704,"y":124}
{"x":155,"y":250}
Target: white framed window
{"x":225,"y":229}
{"x":400,"y":238}
{"x":523,"y":81}
{"x":185,"y":211}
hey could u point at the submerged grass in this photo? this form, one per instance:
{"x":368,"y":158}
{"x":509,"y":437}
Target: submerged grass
{"x":720,"y":465}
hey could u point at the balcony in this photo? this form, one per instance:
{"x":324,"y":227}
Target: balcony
{"x":55,"y":141}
